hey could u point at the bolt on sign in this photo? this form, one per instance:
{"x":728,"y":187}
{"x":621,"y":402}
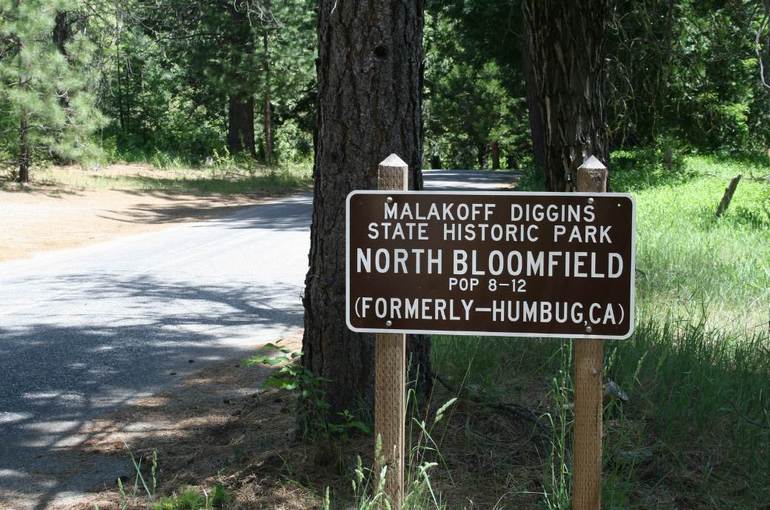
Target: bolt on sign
{"x":491,"y":263}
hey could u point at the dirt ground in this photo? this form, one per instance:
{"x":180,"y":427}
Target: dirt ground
{"x":219,"y":428}
{"x":42,"y":217}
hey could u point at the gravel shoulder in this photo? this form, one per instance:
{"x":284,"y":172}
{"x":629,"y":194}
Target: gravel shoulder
{"x":37,"y":220}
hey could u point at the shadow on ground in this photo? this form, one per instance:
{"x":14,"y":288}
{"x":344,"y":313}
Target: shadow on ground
{"x":61,"y":373}
{"x":287,"y":214}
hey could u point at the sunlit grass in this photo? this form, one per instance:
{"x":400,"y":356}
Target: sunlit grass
{"x":696,"y":430}
{"x":218,"y":179}
{"x":695,"y":265}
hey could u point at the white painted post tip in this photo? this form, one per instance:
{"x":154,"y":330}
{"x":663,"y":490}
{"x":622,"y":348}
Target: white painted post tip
{"x":393,"y":161}
{"x":593,"y":163}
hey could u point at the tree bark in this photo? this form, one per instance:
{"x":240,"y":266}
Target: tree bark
{"x":566,"y":62}
{"x":240,"y":124}
{"x":25,"y":154}
{"x":24,"y":151}
{"x":533,"y":106}
{"x":495,"y":155}
{"x":369,"y":105}
{"x":266,"y":111}
{"x":481,"y":155}
{"x":62,"y":31}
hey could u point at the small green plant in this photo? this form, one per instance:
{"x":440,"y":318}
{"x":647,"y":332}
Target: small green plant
{"x":194,"y":499}
{"x":291,"y":376}
{"x":142,"y":488}
{"x":140,"y":483}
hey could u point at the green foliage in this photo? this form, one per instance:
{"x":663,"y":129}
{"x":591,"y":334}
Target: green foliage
{"x":290,"y":375}
{"x":292,"y":143}
{"x":194,"y":499}
{"x":175,"y":64}
{"x":141,"y":486}
{"x":474,"y":94}
{"x":688,"y":70}
{"x":419,"y":494}
{"x":46,"y":84}
{"x":144,"y":489}
{"x":557,"y":480}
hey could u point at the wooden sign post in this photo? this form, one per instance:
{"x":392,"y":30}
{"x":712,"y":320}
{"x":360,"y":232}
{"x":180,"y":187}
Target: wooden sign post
{"x":589,"y":364}
{"x":494,"y":263}
{"x":390,"y":369}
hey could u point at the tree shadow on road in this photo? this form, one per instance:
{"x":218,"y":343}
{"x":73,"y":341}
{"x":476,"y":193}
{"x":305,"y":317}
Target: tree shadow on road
{"x":63,"y":371}
{"x":289,"y":214}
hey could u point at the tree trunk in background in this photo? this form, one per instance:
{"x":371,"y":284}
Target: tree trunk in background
{"x":495,"y":156}
{"x":24,"y":151}
{"x":369,"y":105}
{"x":25,"y":154}
{"x":565,"y":52}
{"x":533,"y":107}
{"x":267,"y":113}
{"x":62,"y":31}
{"x":481,"y":155}
{"x":240,"y":124}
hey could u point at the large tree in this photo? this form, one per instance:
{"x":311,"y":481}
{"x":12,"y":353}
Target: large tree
{"x":566,"y":75}
{"x":369,"y":78}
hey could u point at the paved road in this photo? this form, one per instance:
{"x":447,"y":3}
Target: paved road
{"x":86,"y":330}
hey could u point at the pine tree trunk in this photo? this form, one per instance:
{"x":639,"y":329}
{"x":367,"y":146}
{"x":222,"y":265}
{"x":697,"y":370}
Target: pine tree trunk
{"x":267,"y":113}
{"x":566,"y":62}
{"x":495,"y":155}
{"x":24,"y":150}
{"x":25,"y":154}
{"x":369,"y":79}
{"x":240,"y":124}
{"x":62,"y":31}
{"x":533,"y":106}
{"x":481,"y":155}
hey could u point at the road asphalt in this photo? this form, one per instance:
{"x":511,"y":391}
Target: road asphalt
{"x":84,"y":331}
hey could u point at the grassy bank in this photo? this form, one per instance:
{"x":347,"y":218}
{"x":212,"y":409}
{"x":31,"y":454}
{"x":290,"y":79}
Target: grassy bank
{"x":695,"y":432}
{"x":225,"y":177}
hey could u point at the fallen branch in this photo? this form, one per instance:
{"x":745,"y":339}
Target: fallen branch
{"x":516,"y":410}
{"x":761,"y":178}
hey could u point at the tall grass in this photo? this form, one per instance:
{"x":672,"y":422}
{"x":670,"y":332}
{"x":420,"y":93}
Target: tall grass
{"x":697,"y":266}
{"x":222,"y":175}
{"x":695,"y":432}
{"x":422,"y":453}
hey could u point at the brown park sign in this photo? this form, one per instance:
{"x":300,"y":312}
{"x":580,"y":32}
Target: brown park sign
{"x":491,"y":263}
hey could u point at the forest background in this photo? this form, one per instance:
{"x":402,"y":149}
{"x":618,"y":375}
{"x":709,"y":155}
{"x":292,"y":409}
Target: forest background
{"x":174,"y":82}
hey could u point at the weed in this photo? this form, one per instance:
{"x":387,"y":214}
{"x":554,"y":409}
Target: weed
{"x":557,"y":481}
{"x":225,"y":176}
{"x":144,"y":489}
{"x":291,"y":376}
{"x":150,"y":487}
{"x":419,"y":493}
{"x":193,"y":499}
